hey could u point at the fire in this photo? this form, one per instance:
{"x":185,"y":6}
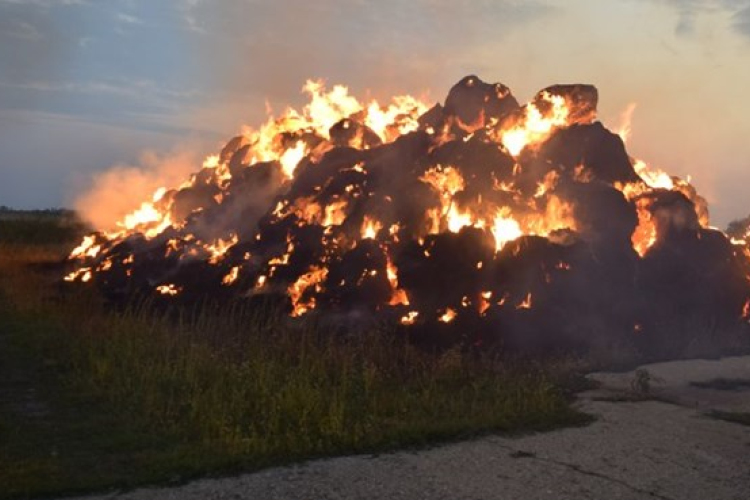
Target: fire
{"x":291,"y":157}
{"x":370,"y":228}
{"x":484,"y":302}
{"x":448,"y":316}
{"x":626,"y":118}
{"x":398,"y":296}
{"x":231,"y":277}
{"x":534,"y":126}
{"x":644,"y":235}
{"x":526,"y":302}
{"x":147,"y":220}
{"x":505,"y":229}
{"x":447,"y":181}
{"x":335,"y":213}
{"x":548,"y":183}
{"x":218,"y":248}
{"x":311,"y":279}
{"x":168,"y":289}
{"x":398,"y":119}
{"x":84,"y":274}
{"x":409,"y":318}
{"x":349,"y":203}
{"x":653,"y":177}
{"x":87,"y":248}
{"x":458,"y":218}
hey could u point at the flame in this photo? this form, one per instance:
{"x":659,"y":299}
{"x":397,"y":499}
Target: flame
{"x":549,"y":182}
{"x":626,"y":119}
{"x":398,"y":119}
{"x":746,"y":311}
{"x":335,"y":213}
{"x":484,"y":302}
{"x":505,"y":229}
{"x":398,"y":295}
{"x":409,"y":318}
{"x":312,"y":212}
{"x":525,"y":303}
{"x":370,"y":228}
{"x":169,"y":289}
{"x":147,"y":220}
{"x":644,"y":236}
{"x":87,"y":248}
{"x":653,"y":177}
{"x":448,"y":316}
{"x":458,"y":218}
{"x":558,"y":215}
{"x":291,"y":157}
{"x":534,"y":127}
{"x":218,"y":248}
{"x":313,"y":278}
{"x":231,"y":277}
{"x":513,"y":209}
{"x":83,"y":274}
{"x":447,"y":181}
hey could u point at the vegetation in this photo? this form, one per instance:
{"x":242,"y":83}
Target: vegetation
{"x":737,"y":417}
{"x":93,"y":397}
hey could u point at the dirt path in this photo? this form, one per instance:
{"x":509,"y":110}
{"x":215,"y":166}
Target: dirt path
{"x":637,"y":449}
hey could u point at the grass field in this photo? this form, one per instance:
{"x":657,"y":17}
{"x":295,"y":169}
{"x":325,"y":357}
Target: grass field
{"x":93,"y":398}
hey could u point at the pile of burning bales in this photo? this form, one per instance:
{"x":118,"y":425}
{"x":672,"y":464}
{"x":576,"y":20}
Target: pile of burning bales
{"x":479,"y":221}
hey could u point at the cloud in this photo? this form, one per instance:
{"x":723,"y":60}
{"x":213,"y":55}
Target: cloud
{"x":272,"y":47}
{"x":688,"y":12}
{"x":741,"y":21}
{"x":45,"y":3}
{"x":34,"y":40}
{"x":136,"y":89}
{"x":128,"y":18}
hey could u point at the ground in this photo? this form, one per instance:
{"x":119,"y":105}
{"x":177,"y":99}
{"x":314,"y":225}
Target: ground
{"x":656,"y":435}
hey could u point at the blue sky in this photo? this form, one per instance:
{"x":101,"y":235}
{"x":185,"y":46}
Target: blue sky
{"x":85,"y":85}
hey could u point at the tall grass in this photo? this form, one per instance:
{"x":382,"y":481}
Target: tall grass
{"x":242,"y":388}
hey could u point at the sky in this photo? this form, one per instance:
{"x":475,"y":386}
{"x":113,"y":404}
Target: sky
{"x":87,"y":86}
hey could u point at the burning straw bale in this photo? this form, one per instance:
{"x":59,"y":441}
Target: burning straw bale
{"x":477,"y":221}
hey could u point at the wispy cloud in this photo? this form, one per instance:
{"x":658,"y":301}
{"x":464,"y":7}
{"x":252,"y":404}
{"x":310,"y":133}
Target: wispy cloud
{"x":689,"y":11}
{"x":46,"y":3}
{"x":22,"y":31}
{"x":741,"y":21}
{"x":140,"y":89}
{"x":128,"y":18}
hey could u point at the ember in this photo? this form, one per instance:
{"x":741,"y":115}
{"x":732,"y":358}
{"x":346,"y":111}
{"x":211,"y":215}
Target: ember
{"x":483,"y":218}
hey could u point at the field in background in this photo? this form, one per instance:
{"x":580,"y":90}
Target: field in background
{"x":93,"y":397}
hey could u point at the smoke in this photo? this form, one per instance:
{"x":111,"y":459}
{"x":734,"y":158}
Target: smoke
{"x":121,"y":189}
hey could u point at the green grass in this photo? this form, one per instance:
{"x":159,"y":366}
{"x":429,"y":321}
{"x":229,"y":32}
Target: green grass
{"x":94,"y":398}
